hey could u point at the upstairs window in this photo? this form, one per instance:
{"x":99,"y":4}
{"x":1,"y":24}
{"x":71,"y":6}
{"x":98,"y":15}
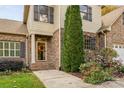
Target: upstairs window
{"x":90,"y":42}
{"x":87,"y":12}
{"x":44,"y":13}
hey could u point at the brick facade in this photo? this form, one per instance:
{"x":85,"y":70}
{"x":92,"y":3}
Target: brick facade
{"x":15,"y":38}
{"x":52,"y":61}
{"x":116,"y":35}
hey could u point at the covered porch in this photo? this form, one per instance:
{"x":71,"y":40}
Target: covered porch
{"x":42,"y":53}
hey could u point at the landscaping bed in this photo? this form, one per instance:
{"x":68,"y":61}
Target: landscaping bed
{"x":77,"y":74}
{"x":101,"y":66}
{"x":20,"y":80}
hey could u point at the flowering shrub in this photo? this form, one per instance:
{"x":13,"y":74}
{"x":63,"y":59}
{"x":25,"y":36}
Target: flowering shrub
{"x":88,"y":67}
{"x":90,"y":55}
{"x":101,"y":66}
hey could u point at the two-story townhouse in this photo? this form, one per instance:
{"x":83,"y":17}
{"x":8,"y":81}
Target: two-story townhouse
{"x":37,"y":40}
{"x":43,"y":36}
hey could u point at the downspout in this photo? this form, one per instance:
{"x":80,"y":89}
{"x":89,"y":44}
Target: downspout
{"x":59,"y":39}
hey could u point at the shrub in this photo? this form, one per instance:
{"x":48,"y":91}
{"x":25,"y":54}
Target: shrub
{"x":106,"y":56}
{"x":88,"y":67}
{"x":122,"y":69}
{"x":11,"y":65}
{"x":16,"y":66}
{"x":97,"y":77}
{"x":90,"y":55}
{"x":72,"y":51}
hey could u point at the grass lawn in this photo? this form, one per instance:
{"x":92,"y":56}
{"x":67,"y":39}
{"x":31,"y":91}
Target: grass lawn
{"x":20,"y":80}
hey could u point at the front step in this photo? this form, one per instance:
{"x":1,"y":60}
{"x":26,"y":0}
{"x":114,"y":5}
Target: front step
{"x":42,"y":66}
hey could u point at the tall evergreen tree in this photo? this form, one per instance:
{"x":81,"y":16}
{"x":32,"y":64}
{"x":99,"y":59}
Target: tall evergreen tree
{"x":72,"y":51}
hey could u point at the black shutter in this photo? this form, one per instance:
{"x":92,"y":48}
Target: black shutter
{"x":36,"y":16}
{"x":22,"y":50}
{"x":51,"y":15}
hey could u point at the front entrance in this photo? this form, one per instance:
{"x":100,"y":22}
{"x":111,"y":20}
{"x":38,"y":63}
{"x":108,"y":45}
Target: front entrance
{"x":41,"y":50}
{"x":42,"y":53}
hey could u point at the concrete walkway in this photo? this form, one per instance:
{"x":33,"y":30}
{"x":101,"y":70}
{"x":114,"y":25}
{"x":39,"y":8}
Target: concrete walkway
{"x":59,"y":79}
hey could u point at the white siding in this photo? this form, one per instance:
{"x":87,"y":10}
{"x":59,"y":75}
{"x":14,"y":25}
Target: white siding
{"x":87,"y":25}
{"x":36,"y":27}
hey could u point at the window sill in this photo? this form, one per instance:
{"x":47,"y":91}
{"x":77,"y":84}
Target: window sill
{"x":43,"y":22}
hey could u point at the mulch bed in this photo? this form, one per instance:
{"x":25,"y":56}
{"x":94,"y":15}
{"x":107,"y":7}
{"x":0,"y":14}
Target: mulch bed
{"x":118,"y":74}
{"x":77,"y":74}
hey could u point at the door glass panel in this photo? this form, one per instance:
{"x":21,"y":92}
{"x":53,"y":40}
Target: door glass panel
{"x":41,"y":51}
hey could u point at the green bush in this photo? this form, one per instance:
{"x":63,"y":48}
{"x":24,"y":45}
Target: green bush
{"x":72,"y":49}
{"x":122,"y":69}
{"x":97,"y":77}
{"x":88,"y":67}
{"x":7,"y":65}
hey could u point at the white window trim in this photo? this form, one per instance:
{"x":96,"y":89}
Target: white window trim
{"x":9,"y":49}
{"x":45,"y":42}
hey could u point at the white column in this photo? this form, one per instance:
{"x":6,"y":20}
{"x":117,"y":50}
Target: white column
{"x":33,"y":48}
{"x":27,"y":51}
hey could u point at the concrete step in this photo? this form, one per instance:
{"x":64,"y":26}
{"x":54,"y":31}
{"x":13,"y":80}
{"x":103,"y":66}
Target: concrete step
{"x":42,"y":66}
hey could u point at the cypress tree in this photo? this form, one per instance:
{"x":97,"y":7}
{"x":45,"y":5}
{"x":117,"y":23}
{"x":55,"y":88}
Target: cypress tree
{"x":66,"y":65}
{"x":72,"y":51}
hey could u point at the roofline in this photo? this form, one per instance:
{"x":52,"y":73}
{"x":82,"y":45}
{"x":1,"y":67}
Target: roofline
{"x":25,"y":13}
{"x":13,"y":33}
{"x":116,"y":18}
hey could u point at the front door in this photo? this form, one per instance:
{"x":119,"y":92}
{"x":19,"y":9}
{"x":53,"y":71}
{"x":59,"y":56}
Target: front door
{"x":41,"y":50}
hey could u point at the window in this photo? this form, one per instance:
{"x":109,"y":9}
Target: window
{"x":43,"y":13}
{"x":87,"y":12}
{"x":41,"y":50}
{"x":9,"y":49}
{"x":90,"y":42}
{"x":1,"y":48}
